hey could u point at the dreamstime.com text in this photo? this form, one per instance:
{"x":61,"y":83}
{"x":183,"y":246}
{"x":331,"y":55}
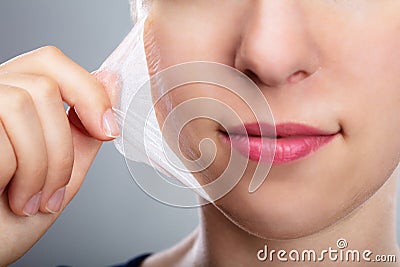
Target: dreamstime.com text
{"x":340,"y":253}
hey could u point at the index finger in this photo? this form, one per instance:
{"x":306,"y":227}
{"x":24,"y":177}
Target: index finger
{"x":78,"y":88}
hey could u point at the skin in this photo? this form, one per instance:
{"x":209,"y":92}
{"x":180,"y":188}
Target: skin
{"x":328,"y":64}
{"x":338,"y":58}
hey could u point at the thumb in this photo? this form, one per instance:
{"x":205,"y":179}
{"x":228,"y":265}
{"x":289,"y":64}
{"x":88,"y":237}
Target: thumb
{"x":86,"y":147}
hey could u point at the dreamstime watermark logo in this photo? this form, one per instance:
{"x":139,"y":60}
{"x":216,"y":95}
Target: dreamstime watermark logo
{"x":163,"y":144}
{"x":340,"y":253}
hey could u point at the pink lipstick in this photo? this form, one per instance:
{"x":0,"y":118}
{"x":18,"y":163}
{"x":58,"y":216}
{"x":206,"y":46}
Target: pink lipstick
{"x":291,"y":141}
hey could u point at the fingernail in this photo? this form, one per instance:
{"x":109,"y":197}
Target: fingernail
{"x":56,"y":200}
{"x":110,"y":125}
{"x":32,"y":206}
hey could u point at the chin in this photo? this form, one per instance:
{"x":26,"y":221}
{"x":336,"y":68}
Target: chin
{"x":297,"y":200}
{"x":279,"y":218}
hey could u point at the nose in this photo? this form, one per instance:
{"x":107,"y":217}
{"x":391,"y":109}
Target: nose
{"x":277,"y":47}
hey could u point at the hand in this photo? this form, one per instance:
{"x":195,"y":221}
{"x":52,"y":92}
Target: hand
{"x":45,"y":153}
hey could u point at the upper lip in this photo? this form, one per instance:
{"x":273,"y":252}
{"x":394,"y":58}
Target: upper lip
{"x":280,"y":130}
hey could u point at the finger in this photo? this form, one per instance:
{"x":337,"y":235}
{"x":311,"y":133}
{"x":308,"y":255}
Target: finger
{"x":22,"y":124}
{"x":78,"y":88}
{"x":8,"y":161}
{"x":111,"y":84}
{"x":57,"y":132}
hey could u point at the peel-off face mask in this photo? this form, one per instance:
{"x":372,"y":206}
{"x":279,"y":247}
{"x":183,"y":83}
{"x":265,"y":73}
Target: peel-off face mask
{"x":159,"y":115}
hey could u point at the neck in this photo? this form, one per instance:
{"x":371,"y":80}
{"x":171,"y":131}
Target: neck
{"x":370,"y":227}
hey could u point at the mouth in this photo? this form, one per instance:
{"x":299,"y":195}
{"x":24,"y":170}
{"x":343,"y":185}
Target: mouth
{"x":283,"y":143}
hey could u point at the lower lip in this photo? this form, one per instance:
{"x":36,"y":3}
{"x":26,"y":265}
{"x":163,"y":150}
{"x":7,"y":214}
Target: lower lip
{"x":287,"y":149}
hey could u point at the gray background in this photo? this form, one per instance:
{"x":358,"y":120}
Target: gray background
{"x":111,"y":219}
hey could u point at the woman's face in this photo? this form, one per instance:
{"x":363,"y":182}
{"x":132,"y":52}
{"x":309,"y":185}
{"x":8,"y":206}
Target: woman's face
{"x":333,"y":65}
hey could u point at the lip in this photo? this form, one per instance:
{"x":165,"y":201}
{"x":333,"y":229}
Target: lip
{"x":291,"y":141}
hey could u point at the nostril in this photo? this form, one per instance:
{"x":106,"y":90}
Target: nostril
{"x":297,"y":76}
{"x":254,"y":77}
{"x":250,"y":74}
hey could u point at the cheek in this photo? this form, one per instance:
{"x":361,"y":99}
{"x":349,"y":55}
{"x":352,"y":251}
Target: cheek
{"x":371,"y":76}
{"x":192,"y":122}
{"x":189,"y":34}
